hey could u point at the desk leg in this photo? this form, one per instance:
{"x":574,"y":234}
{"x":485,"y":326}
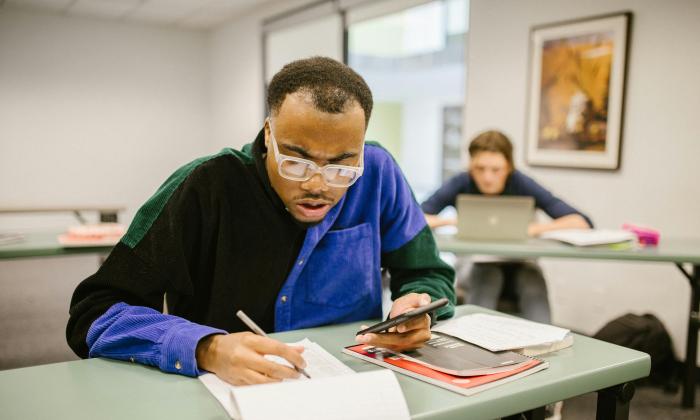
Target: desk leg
{"x":534,"y":414}
{"x":691,"y":349}
{"x":614,"y":402}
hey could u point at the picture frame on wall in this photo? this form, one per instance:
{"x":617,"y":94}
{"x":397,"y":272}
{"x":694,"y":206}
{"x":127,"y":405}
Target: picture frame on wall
{"x":576,"y":92}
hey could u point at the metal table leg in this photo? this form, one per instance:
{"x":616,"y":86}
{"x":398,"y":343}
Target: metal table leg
{"x":691,"y":347}
{"x":614,"y":402}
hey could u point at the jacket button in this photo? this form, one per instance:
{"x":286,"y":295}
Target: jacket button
{"x":284,"y":298}
{"x":178,"y":365}
{"x":301,"y":262}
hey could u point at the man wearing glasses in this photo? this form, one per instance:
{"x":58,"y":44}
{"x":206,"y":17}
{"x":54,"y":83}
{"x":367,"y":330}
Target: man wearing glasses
{"x":293,"y":229}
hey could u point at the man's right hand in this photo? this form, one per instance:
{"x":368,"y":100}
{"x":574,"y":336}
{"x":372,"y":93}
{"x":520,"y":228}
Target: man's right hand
{"x":239,"y":358}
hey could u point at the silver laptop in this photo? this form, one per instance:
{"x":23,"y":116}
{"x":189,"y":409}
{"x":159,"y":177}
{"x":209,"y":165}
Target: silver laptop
{"x":494,"y":218}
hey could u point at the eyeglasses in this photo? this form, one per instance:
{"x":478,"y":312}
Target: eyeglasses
{"x":298,"y":169}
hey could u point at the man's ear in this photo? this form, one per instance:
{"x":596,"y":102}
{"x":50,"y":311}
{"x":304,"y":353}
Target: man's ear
{"x":267,"y":133}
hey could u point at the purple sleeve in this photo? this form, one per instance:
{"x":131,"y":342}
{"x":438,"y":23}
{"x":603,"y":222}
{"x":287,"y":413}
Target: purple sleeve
{"x":144,"y":335}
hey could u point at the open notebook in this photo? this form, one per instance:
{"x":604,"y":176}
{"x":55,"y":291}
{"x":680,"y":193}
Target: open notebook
{"x":591,"y":237}
{"x":334,"y":391}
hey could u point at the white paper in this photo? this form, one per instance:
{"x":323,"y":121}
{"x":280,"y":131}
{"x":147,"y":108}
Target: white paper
{"x":333,"y":388}
{"x":222,"y":392}
{"x":319,"y":363}
{"x":486,"y":259}
{"x":589,"y":237}
{"x":497,"y":333}
{"x":369,"y":395}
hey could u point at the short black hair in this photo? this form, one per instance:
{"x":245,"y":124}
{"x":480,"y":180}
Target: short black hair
{"x":331,"y":84}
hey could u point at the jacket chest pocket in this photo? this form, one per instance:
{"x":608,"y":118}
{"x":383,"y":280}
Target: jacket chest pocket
{"x":341,"y":270}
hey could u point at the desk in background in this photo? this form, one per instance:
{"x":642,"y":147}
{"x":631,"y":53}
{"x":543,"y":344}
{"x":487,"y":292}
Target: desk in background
{"x":45,"y":244}
{"x":106,"y":389}
{"x":106,"y":213}
{"x":671,"y":250}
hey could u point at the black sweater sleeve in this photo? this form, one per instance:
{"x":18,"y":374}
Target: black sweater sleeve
{"x":160,"y":253}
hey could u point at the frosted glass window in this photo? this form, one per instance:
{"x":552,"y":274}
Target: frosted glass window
{"x":321,"y":36}
{"x":415,"y":63}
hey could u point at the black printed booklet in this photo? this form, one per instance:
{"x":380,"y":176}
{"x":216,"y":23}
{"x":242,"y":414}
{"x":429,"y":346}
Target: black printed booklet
{"x":452,"y":363}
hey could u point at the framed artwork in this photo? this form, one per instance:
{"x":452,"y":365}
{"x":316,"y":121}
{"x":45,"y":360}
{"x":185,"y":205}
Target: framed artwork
{"x":576,"y":92}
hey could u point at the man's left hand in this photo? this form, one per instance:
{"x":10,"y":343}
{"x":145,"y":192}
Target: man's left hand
{"x":409,"y":335}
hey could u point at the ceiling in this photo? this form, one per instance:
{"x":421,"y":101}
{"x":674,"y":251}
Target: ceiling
{"x":190,"y":14}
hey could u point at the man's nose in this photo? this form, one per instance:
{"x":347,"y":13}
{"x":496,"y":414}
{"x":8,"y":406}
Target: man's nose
{"x":494,"y":175}
{"x":315,"y":184}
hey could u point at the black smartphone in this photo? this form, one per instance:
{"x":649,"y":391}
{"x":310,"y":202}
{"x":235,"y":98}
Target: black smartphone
{"x":400,"y":319}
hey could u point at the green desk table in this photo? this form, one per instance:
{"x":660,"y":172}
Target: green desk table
{"x":45,"y":244}
{"x":106,"y":389}
{"x":677,"y":251}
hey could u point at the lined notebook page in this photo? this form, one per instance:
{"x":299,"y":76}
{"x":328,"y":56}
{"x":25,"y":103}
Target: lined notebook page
{"x":497,"y":333}
{"x":332,"y":387}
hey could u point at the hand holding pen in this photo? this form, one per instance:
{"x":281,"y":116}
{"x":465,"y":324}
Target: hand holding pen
{"x":239,"y":358}
{"x":257,"y":330}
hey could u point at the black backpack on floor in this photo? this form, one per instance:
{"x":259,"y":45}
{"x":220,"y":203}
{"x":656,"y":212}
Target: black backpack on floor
{"x":645,"y":333}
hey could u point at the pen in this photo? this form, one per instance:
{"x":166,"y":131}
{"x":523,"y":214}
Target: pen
{"x":257,"y":330}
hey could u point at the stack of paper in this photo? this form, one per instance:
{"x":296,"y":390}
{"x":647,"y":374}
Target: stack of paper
{"x":498,"y":333}
{"x":545,"y":348}
{"x":334,"y":391}
{"x":590,"y":237}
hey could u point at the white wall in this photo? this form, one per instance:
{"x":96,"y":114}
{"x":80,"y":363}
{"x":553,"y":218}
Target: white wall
{"x":657,"y":184}
{"x":97,"y":112}
{"x":237,"y":77}
{"x":237,"y":83}
{"x":91,"y":112}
